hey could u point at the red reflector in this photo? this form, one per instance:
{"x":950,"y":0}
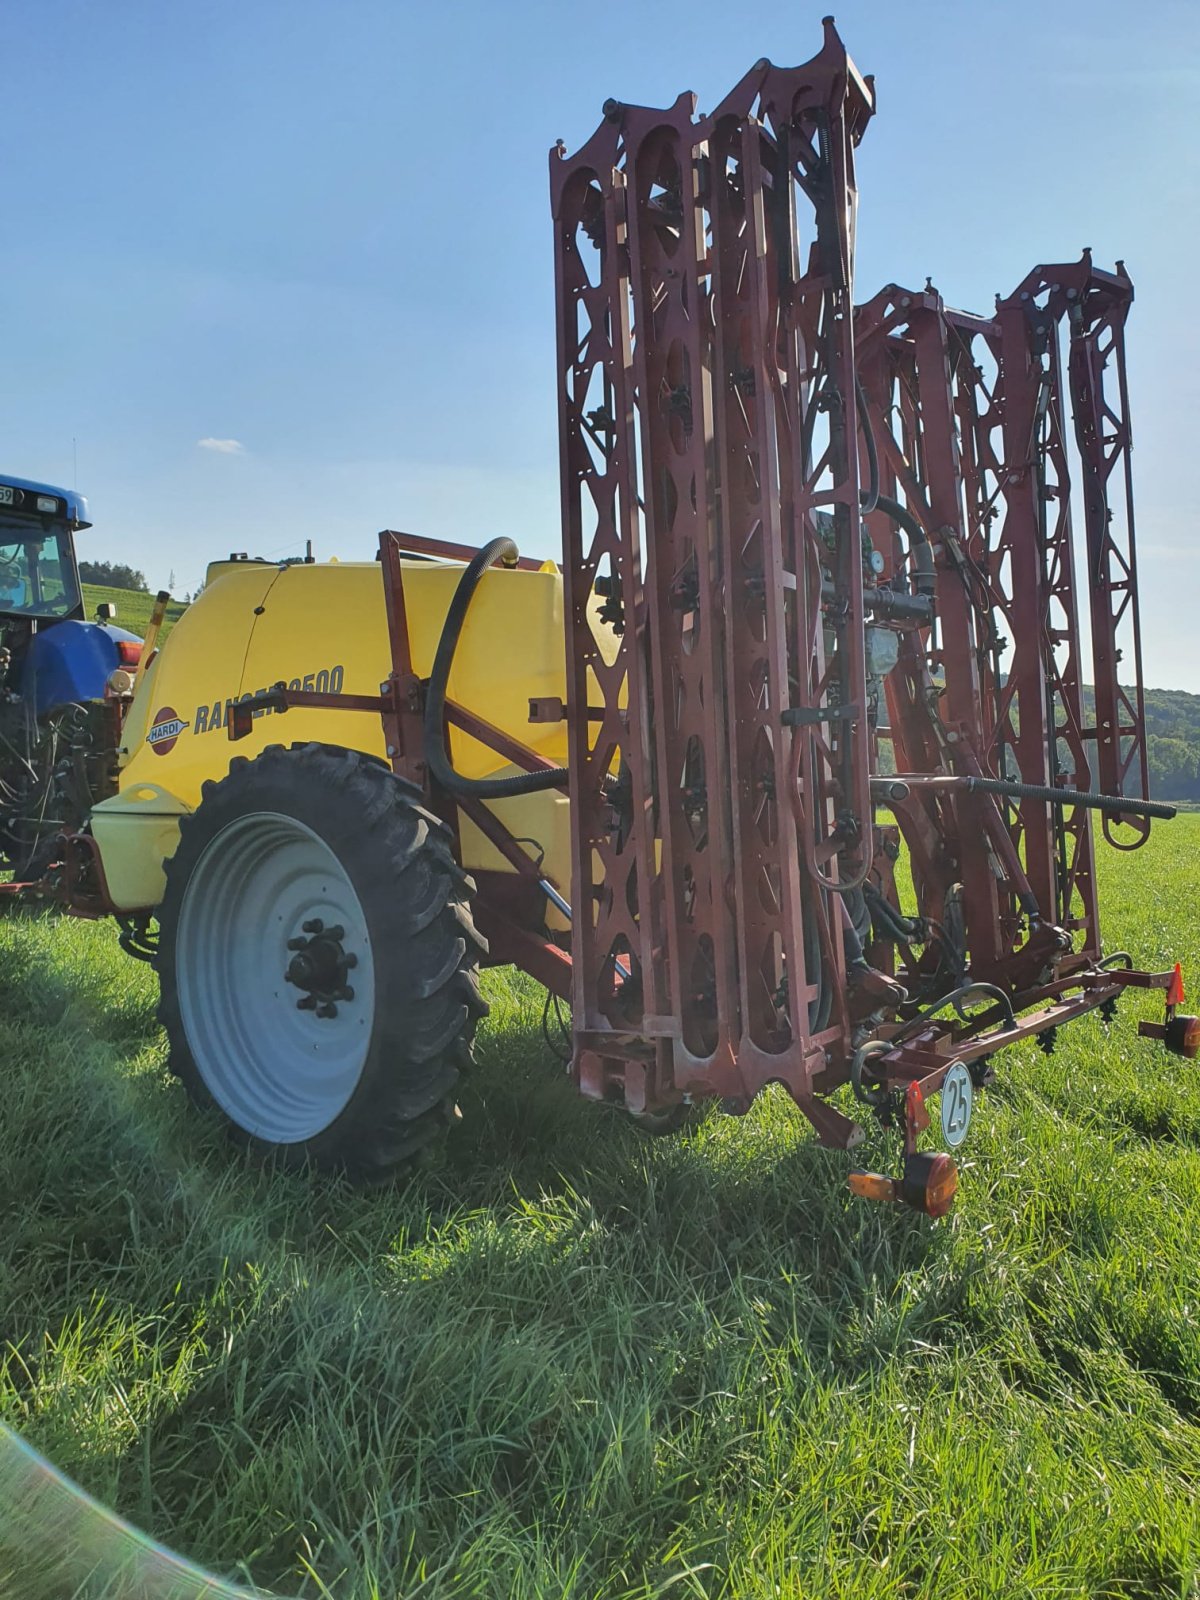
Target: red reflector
{"x":914,"y":1108}
{"x":129,"y":652}
{"x":1175,"y":994}
{"x":930,"y":1183}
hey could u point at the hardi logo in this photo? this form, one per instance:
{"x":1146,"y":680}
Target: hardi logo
{"x":164,"y":730}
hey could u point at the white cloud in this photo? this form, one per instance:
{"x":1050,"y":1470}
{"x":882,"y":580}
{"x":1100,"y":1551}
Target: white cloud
{"x":223,"y":447}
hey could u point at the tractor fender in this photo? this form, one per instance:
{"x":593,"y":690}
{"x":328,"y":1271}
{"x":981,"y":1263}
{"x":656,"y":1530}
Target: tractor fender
{"x":69,"y":663}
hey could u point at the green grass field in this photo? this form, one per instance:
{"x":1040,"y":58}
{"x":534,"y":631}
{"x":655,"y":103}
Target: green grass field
{"x":575,"y":1362}
{"x":133,"y":607}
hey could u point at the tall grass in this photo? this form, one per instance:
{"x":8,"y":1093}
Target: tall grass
{"x":133,"y":607}
{"x":574,"y":1362}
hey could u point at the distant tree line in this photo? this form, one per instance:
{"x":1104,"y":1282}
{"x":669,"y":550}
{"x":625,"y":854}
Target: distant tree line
{"x":1172,"y":743}
{"x":112,"y":575}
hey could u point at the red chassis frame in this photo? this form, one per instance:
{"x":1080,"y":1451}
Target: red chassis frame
{"x":510,"y":906}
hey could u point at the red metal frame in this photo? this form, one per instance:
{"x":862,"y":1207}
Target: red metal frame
{"x":416,"y":544}
{"x":712,"y":475}
{"x":706,"y":385}
{"x":512,"y":922}
{"x":638,"y":1058}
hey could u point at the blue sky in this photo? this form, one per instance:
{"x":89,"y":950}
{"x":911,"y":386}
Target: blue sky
{"x":322,"y":230}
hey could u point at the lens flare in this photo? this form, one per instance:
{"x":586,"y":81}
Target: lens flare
{"x":53,"y":1534}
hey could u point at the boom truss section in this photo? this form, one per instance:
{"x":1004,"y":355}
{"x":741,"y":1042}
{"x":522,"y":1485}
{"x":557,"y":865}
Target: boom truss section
{"x":795,"y":530}
{"x":711,"y":487}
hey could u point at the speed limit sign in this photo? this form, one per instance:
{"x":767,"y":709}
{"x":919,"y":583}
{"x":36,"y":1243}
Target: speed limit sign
{"x":957,"y":1098}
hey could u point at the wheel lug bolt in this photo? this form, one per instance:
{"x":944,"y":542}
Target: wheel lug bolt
{"x":350,"y":960}
{"x":306,"y":1003}
{"x":345,"y":994}
{"x":314,"y":925}
{"x":327,"y":1010}
{"x":334,"y":933}
{"x":297,"y":944}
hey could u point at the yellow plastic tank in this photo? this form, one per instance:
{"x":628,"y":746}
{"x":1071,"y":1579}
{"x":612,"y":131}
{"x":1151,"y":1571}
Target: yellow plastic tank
{"x":323,"y":626}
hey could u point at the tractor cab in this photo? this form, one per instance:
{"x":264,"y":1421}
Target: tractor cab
{"x":57,"y":722}
{"x":49,"y":655}
{"x":39,"y":579}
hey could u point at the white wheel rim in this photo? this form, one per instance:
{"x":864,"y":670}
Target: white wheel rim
{"x":281,"y":1073}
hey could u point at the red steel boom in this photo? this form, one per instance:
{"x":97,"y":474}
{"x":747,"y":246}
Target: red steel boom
{"x":818,"y":529}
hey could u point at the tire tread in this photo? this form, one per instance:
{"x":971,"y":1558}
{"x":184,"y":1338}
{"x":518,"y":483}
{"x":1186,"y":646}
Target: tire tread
{"x":419,"y":912}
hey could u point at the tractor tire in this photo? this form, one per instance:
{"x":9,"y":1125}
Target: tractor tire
{"x":317,"y":961}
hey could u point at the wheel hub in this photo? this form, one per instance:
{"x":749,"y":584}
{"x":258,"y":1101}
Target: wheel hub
{"x":319,"y":966}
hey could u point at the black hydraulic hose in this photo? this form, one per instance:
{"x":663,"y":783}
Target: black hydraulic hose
{"x":901,"y":514}
{"x":853,"y":945}
{"x":821,"y":1006}
{"x":924,"y":576}
{"x":868,"y":498}
{"x":957,"y":998}
{"x":891,"y":931}
{"x":885,"y":915}
{"x":876,"y":1096}
{"x":1072,"y":797}
{"x":889,"y":605}
{"x":884,"y":920}
{"x":1122,"y":956}
{"x":435,"y":694}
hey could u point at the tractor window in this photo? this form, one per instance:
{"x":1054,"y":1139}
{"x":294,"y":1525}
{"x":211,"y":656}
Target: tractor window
{"x":37,"y":576}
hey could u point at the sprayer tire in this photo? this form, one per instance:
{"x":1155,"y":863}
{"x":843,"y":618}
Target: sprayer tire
{"x":367,"y":1085}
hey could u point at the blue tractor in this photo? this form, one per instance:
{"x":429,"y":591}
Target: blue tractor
{"x":59,"y":678}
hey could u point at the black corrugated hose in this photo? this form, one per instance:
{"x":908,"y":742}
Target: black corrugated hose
{"x":924,"y":578}
{"x":869,"y":497}
{"x":435,"y":693}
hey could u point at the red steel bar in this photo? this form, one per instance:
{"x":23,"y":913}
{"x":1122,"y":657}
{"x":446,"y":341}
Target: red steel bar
{"x":402,"y":721}
{"x":711,"y":480}
{"x":1097,"y":328}
{"x":993,"y":496}
{"x":445,"y":549}
{"x":794,"y":532}
{"x":691,"y":792}
{"x":904,"y":352}
{"x":761,"y":588}
{"x":615,"y":893}
{"x":496,"y":739}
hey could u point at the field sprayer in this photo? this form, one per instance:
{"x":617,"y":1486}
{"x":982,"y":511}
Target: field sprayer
{"x":817,"y":626}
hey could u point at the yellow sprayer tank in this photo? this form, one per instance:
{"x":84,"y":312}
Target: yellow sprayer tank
{"x":323,"y":626}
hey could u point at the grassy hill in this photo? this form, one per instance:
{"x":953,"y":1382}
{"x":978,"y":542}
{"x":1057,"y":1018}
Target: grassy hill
{"x":133,"y":607}
{"x":1172,"y":742}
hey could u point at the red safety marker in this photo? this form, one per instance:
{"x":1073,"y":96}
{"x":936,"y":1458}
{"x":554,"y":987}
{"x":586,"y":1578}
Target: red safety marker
{"x":916,"y":1110}
{"x":1175,"y":995}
